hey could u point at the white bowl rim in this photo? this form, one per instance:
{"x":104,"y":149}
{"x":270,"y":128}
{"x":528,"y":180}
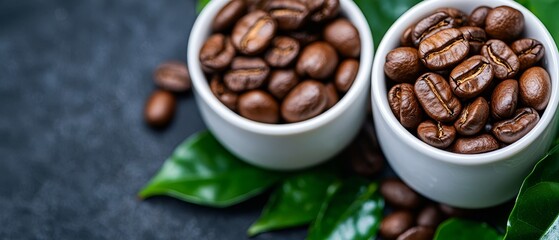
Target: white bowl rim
{"x":378,"y":78}
{"x":361,"y":83}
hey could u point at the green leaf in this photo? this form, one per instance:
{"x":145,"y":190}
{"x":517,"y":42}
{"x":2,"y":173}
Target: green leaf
{"x":201,"y":4}
{"x":352,"y":210}
{"x":460,"y":229}
{"x":382,"y":13}
{"x":202,"y":171}
{"x":296,"y":202}
{"x":546,"y":11}
{"x":537,"y":205}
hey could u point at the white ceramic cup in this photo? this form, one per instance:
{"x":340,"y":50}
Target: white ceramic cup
{"x":468,"y":181}
{"x":283,"y":146}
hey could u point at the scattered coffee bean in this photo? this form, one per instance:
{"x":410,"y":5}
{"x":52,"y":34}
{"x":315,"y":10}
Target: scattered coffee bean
{"x":430,"y":216}
{"x":504,"y":23}
{"x":160,"y":108}
{"x":436,"y":134}
{"x":404,"y":105}
{"x":305,"y":101}
{"x":529,"y":52}
{"x":473,"y":117}
{"x":471,"y":77}
{"x":289,"y":14}
{"x":509,"y":131}
{"x":395,"y":224}
{"x":397,"y":194}
{"x":478,"y":144}
{"x":318,"y":60}
{"x":281,"y":82}
{"x":282,"y":52}
{"x":403,"y":64}
{"x":172,"y":76}
{"x":225,"y":95}
{"x":246,"y":74}
{"x":217,"y":53}
{"x":504,"y":99}
{"x":346,"y":74}
{"x":253,"y":32}
{"x":444,"y":49}
{"x":418,"y":233}
{"x":535,"y":88}
{"x":344,"y":37}
{"x":505,"y":63}
{"x":229,"y":14}
{"x":436,"y":98}
{"x":475,"y":36}
{"x":478,"y":16}
{"x":259,"y":106}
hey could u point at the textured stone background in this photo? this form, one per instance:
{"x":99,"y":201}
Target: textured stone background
{"x":74,"y":150}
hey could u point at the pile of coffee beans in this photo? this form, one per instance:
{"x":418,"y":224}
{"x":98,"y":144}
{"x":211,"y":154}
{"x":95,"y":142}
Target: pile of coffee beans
{"x":171,"y":78}
{"x":281,"y":61}
{"x":468,"y":84}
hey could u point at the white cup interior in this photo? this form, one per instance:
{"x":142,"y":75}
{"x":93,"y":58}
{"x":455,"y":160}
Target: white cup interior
{"x":534,"y":29}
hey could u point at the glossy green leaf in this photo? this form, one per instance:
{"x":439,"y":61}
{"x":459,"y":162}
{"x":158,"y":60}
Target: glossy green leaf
{"x":546,"y":11}
{"x":537,"y":205}
{"x":460,"y":229}
{"x":352,"y":210}
{"x":296,"y":202}
{"x":382,"y":13}
{"x":202,"y":171}
{"x":201,"y":4}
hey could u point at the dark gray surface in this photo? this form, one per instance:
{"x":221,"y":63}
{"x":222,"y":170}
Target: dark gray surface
{"x":74,"y":150}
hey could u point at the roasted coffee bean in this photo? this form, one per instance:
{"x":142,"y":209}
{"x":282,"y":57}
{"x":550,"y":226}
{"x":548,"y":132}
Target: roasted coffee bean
{"x":430,"y":216}
{"x":456,"y":212}
{"x":395,"y":224}
{"x":504,"y":23}
{"x":305,"y":101}
{"x":289,"y":14}
{"x":256,"y":4}
{"x":459,"y":17}
{"x":436,"y":134}
{"x":323,"y":9}
{"x":418,"y":233}
{"x":471,"y":77}
{"x":529,"y":52}
{"x":473,"y":117}
{"x":344,"y":37}
{"x":504,"y":99}
{"x":509,"y":131}
{"x":346,"y":74}
{"x":475,"y":36}
{"x":535,"y":88}
{"x":217,"y":53}
{"x":332,"y":95}
{"x":229,"y":15}
{"x":253,"y":32}
{"x":160,"y":108}
{"x":318,"y":60}
{"x":473,"y":145}
{"x":435,"y":95}
{"x":225,"y":96}
{"x":404,"y":105}
{"x":281,"y":82}
{"x":505,"y":63}
{"x":366,"y":157}
{"x":305,"y":36}
{"x":246,"y":74}
{"x":405,"y":39}
{"x":403,"y":64}
{"x":397,"y":194}
{"x":282,"y":52}
{"x":172,"y":76}
{"x":430,"y":25}
{"x":444,"y":49}
{"x":477,"y":18}
{"x":259,"y":106}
